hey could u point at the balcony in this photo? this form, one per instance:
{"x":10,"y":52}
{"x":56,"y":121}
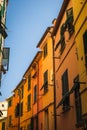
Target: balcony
{"x":5,"y":60}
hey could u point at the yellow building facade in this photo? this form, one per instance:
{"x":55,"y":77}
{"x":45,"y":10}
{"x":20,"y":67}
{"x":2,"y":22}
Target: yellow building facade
{"x":80,"y":23}
{"x":47,"y":112}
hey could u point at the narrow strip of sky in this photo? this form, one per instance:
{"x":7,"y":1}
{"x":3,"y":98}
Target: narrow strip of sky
{"x":26,"y":21}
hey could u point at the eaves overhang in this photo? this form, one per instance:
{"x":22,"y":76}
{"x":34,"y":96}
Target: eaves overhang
{"x":44,"y":35}
{"x":36,"y":58}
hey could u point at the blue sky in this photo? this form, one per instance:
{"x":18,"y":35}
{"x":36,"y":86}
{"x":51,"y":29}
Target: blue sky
{"x":26,"y":21}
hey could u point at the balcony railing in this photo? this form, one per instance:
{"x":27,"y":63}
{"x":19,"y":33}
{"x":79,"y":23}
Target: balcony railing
{"x":5,"y":60}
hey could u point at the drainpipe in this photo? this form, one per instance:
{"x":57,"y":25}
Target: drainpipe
{"x":37,"y":91}
{"x":19,"y":94}
{"x":55,"y":123}
{"x":54,"y":83}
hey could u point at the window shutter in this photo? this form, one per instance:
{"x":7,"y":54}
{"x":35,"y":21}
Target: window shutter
{"x":65,"y":82}
{"x":85,"y":41}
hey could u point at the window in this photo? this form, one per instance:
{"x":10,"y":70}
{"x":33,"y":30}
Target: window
{"x":65,"y":89}
{"x":62,"y":44}
{"x":29,"y":81}
{"x":2,"y":105}
{"x":46,"y":119}
{"x":21,"y":128}
{"x":46,"y":81}
{"x":3,"y":125}
{"x":10,"y":103}
{"x":10,"y":121}
{"x":69,"y":21}
{"x":85,"y":46}
{"x":29,"y":102}
{"x":35,"y":93}
{"x":69,"y":13}
{"x":21,"y":109}
{"x":36,"y":122}
{"x":29,"y":127}
{"x":32,"y":123}
{"x":45,"y":50}
{"x":22,"y":91}
{"x":85,"y":127}
{"x":17,"y":110}
{"x":78,"y":105}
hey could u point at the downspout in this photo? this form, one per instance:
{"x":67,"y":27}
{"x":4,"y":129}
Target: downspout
{"x":37,"y":91}
{"x":54,"y":82}
{"x":55,"y":123}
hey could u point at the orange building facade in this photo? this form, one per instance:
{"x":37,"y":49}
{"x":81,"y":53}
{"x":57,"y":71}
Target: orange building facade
{"x":68,"y":101}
